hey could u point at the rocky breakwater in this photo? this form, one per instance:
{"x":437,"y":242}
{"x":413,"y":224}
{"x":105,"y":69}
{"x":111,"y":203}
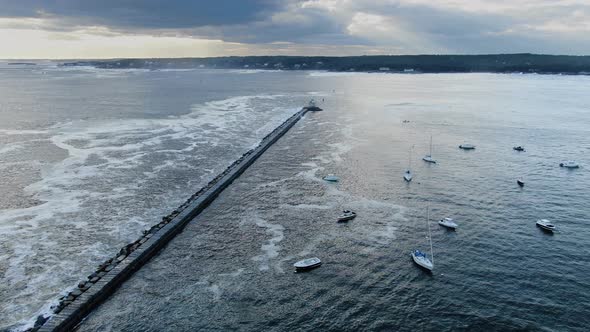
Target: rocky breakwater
{"x":76,"y":304}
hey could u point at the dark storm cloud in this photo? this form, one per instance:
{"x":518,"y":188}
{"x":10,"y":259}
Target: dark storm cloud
{"x":406,"y":26}
{"x":293,"y":24}
{"x":144,"y":14}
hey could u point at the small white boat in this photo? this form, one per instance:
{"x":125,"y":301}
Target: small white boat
{"x":408,"y":175}
{"x":422,"y":260}
{"x":569,"y":164}
{"x":331,"y":178}
{"x":467,"y":146}
{"x":307,"y":264}
{"x":346,"y":216}
{"x":448,"y":223}
{"x":546,"y":225}
{"x":428,"y":158}
{"x":520,"y":182}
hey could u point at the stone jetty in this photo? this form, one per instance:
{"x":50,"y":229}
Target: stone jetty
{"x":109,"y":275}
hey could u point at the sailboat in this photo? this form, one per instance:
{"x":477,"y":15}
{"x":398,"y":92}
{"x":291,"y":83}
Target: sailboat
{"x":408,"y":173}
{"x":428,"y":158}
{"x":419,"y":257}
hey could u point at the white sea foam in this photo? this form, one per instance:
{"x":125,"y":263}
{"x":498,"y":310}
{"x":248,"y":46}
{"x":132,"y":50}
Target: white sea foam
{"x":92,"y":201}
{"x":21,"y":132}
{"x":216,"y":283}
{"x":11,"y":147}
{"x":270,"y":248}
{"x":307,"y":206}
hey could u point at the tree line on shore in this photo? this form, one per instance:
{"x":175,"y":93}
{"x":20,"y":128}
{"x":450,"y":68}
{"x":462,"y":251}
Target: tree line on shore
{"x":497,"y":63}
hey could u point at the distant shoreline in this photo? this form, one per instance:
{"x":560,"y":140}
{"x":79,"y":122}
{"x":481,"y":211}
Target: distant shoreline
{"x":407,"y":64}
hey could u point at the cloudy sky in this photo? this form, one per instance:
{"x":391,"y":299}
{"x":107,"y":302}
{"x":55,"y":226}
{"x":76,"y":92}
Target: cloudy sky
{"x":181,"y":28}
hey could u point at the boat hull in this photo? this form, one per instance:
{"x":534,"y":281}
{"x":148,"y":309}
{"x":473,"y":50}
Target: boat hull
{"x":545,"y":228}
{"x":346,"y":218}
{"x":408,"y":176}
{"x":448,"y":226}
{"x":544,"y":225}
{"x":426,"y":265}
{"x":307,"y":264}
{"x":569,"y":166}
{"x":307,"y":268}
{"x":429,"y":159}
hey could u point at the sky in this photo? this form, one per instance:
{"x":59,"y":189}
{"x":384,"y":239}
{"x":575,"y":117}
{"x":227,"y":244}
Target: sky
{"x":90,"y":29}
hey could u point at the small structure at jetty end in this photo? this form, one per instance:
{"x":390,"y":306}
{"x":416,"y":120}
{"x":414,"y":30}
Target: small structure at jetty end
{"x":312,"y":106}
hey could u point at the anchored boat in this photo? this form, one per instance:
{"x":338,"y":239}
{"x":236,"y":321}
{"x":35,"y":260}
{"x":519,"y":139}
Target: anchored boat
{"x":428,"y":158}
{"x":448,"y":223}
{"x":331,"y":178}
{"x":546,"y":225}
{"x":408,"y":173}
{"x":518,"y":148}
{"x":467,"y":146}
{"x":346,"y":216}
{"x":422,"y":260}
{"x":569,"y":164}
{"x":307,"y":264}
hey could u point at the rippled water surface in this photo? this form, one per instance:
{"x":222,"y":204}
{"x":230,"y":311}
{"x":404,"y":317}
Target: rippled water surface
{"x":89,"y":158}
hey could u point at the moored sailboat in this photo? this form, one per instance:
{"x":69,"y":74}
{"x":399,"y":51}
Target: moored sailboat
{"x":408,"y":173}
{"x":428,"y":158}
{"x":419,"y":257}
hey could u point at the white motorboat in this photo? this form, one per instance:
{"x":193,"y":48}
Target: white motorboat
{"x":428,"y":158}
{"x":448,"y":223}
{"x":418,"y":256}
{"x":346,"y":216}
{"x":569,"y":164}
{"x":307,"y":264}
{"x":546,"y":225}
{"x":331,"y":178}
{"x":467,"y":146}
{"x":408,"y":175}
{"x":422,"y":260}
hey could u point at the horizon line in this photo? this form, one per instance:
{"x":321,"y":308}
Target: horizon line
{"x":294,"y":56}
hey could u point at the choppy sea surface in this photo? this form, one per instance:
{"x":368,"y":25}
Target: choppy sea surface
{"x":89,"y":158}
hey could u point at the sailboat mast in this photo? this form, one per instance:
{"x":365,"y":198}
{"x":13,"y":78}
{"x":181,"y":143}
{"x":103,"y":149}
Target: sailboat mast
{"x":429,"y":236}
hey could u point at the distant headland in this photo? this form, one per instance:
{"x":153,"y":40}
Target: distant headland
{"x":491,"y":63}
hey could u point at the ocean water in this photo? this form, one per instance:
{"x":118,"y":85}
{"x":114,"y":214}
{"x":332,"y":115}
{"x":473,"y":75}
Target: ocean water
{"x":96,"y":156}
